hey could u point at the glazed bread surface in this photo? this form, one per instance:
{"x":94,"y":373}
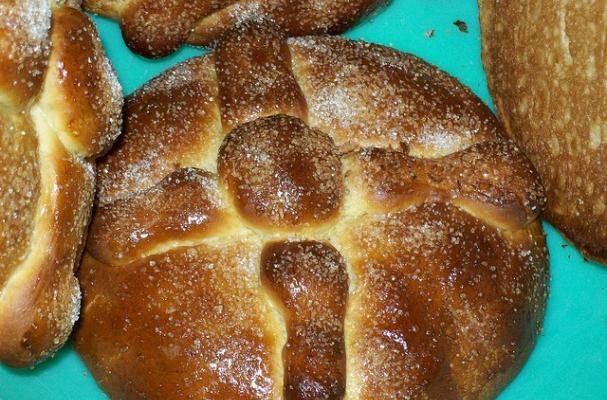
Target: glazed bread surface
{"x":547,"y":70}
{"x":155,"y":28}
{"x":59,"y":108}
{"x":311,"y":218}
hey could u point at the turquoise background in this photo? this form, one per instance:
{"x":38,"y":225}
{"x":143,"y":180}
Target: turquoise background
{"x":570,"y":360}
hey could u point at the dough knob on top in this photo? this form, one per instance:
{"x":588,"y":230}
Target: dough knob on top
{"x":281,"y":173}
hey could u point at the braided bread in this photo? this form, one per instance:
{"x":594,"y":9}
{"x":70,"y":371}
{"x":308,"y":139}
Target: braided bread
{"x":60,"y":107}
{"x":311,"y":218}
{"x":155,"y":28}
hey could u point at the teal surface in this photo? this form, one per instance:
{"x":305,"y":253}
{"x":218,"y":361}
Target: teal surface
{"x":570,"y":359}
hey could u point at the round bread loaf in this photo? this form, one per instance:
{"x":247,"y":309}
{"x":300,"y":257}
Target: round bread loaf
{"x":155,"y":28}
{"x":311,"y":218}
{"x":60,"y":107}
{"x":546,"y":65}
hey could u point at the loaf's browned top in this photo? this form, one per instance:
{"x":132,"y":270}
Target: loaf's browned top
{"x":59,"y":109}
{"x":547,"y":70}
{"x":311,"y":218}
{"x":157,"y":28}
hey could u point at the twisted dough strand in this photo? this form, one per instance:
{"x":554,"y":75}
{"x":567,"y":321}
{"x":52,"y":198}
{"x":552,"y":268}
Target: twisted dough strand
{"x":60,"y":106}
{"x":157,"y":28}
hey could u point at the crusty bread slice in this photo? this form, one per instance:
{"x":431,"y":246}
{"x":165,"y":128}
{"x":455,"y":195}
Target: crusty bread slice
{"x":60,"y":107}
{"x":546,"y":63}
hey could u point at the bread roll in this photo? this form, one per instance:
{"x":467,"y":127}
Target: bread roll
{"x":547,"y":70}
{"x":311,"y":218}
{"x":59,"y":109}
{"x":155,"y":28}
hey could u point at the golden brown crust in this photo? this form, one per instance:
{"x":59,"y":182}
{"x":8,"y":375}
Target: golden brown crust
{"x":165,"y":127}
{"x":210,"y":334}
{"x":80,"y":102}
{"x":157,"y":28}
{"x":478,"y":282}
{"x":546,"y":68}
{"x":488,"y":179}
{"x":24,"y":48}
{"x":183,"y":206}
{"x":253,"y":66}
{"x":294,"y":17}
{"x":281,"y":173}
{"x":310,"y":283}
{"x":393,"y":247}
{"x":19,"y":168}
{"x":363,"y":95}
{"x":48,"y":185}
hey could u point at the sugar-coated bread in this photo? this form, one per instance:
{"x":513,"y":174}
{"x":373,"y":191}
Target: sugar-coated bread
{"x":156,"y":28}
{"x":546,"y":64}
{"x":60,"y":107}
{"x":311,"y":218}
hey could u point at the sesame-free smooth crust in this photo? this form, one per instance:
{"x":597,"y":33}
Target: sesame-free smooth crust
{"x":59,"y":109}
{"x":330,"y":219}
{"x":547,"y":70}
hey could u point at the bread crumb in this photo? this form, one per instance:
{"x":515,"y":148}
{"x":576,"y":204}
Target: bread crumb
{"x":461,"y":25}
